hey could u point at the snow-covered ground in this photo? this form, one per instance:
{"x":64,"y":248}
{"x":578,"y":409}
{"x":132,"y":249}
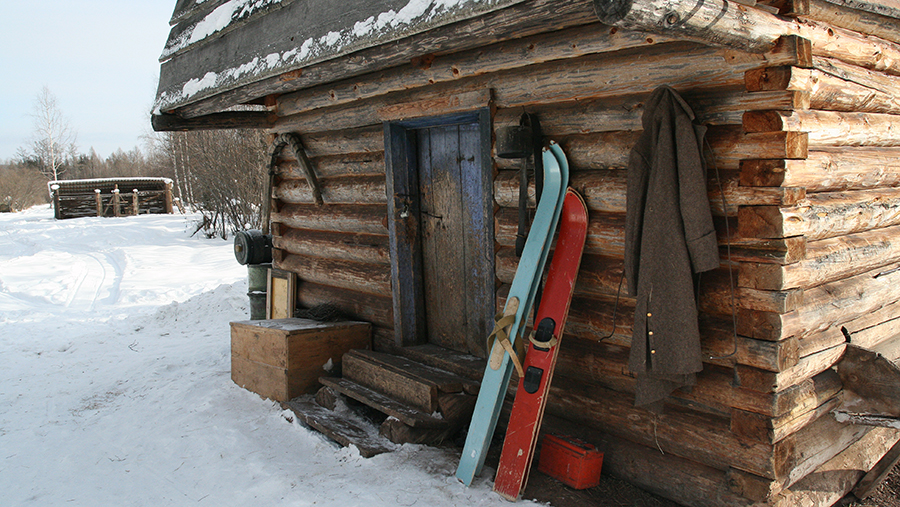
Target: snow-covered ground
{"x":115,"y":383}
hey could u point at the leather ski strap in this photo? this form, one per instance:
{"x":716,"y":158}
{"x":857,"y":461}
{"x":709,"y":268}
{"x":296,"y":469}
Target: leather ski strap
{"x":502,"y":323}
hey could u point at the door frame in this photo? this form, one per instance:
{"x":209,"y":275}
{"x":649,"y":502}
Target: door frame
{"x":401,"y":168}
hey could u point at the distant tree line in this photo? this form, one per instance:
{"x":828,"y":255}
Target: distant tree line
{"x":219,"y":173}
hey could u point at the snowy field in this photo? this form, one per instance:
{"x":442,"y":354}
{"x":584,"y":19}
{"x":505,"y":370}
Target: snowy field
{"x":115,"y":384}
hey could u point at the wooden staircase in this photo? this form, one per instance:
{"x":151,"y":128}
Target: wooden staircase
{"x":426,"y":395}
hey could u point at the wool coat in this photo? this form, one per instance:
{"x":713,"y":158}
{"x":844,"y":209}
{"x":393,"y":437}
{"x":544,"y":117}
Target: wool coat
{"x":669,"y":237}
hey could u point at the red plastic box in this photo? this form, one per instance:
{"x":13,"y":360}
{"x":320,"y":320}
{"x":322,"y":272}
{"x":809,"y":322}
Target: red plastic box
{"x":571,"y":461}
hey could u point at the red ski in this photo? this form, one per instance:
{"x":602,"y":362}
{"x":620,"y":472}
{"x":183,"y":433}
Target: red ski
{"x":540,"y":359}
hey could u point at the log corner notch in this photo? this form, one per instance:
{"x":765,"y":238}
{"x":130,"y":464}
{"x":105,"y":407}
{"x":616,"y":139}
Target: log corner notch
{"x":713,"y":22}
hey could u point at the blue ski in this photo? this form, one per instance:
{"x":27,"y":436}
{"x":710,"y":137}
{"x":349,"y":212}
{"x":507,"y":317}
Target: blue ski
{"x":517,"y":309}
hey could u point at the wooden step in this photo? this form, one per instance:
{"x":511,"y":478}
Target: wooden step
{"x":383,"y":403}
{"x":338,"y":428}
{"x":411,"y":382}
{"x":464,"y":365}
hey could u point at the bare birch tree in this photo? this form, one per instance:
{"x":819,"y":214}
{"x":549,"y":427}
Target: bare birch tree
{"x":53,"y":139}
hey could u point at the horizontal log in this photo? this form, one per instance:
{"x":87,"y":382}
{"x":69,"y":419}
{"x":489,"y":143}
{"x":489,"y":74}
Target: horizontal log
{"x":336,"y":142}
{"x":355,"y":276}
{"x":600,"y":276}
{"x":606,"y":236}
{"x":760,"y":428}
{"x":227,"y":120}
{"x":885,"y":27}
{"x":339,"y":190}
{"x":444,"y":68}
{"x":366,"y":248}
{"x":875,"y":327}
{"x":823,"y":215}
{"x":520,"y":20}
{"x":829,"y":128}
{"x":826,"y":307}
{"x":353,"y":304}
{"x":710,"y":439}
{"x":681,"y":65}
{"x":366,"y":219}
{"x":827,"y":260}
{"x":826,"y":91}
{"x":850,"y":47}
{"x":604,"y":191}
{"x":699,"y":437}
{"x":354,"y":164}
{"x":880,"y":81}
{"x":756,"y":379}
{"x":822,"y":171}
{"x":715,"y":22}
{"x":711,"y":107}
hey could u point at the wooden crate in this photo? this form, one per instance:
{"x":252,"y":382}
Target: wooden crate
{"x":284,"y":358}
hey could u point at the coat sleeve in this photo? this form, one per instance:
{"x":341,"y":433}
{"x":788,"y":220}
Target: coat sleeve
{"x":699,"y":231}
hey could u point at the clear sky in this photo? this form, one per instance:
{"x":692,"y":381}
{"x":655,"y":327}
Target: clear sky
{"x":98,"y":57}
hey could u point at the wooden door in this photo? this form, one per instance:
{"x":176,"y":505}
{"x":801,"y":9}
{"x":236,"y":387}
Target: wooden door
{"x":452,"y":236}
{"x":442,"y":241}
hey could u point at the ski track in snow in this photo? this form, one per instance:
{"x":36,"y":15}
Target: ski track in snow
{"x":115,"y":387}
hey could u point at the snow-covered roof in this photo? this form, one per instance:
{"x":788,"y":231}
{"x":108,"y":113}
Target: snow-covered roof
{"x":219,"y":45}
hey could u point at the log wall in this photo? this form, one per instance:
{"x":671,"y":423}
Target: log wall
{"x":803,"y":153}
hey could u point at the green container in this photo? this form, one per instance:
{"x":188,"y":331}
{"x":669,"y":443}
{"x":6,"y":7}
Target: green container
{"x":257,"y":277}
{"x":257,"y":305}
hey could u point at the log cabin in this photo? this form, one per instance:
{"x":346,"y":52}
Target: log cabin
{"x":393,"y":205}
{"x":103,"y":197}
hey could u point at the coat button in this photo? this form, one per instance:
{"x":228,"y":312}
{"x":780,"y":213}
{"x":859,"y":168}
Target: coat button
{"x":649,"y":314}
{"x":653,"y":351}
{"x":650,"y":333}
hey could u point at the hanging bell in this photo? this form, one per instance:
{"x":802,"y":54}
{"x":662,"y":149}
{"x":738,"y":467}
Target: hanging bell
{"x":514,"y":142}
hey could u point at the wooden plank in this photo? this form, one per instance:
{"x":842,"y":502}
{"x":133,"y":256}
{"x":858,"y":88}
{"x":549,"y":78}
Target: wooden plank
{"x":872,"y":378}
{"x":874,"y":327}
{"x":337,"y":428}
{"x":385,"y":404}
{"x":826,"y":91}
{"x":395,"y":383}
{"x":465,"y":365}
{"x":824,"y":215}
{"x":878,"y":473}
{"x":827,"y":260}
{"x":443,"y":241}
{"x":822,"y":171}
{"x":829,"y":129}
{"x":444,"y":381}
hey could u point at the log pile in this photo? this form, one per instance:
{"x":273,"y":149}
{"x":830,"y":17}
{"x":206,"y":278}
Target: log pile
{"x":804,"y":138}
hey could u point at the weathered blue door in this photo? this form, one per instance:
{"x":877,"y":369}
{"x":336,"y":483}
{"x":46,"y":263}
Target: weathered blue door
{"x":442,"y":234}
